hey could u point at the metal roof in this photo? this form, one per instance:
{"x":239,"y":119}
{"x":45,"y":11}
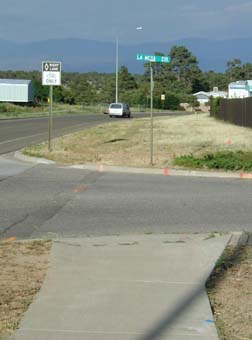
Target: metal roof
{"x":218,"y":93}
{"x":211,"y":93}
{"x":237,"y":84}
{"x":15,"y":81}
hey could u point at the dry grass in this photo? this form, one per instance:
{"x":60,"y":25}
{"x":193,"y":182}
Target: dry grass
{"x":127,"y":142}
{"x":23,"y":268}
{"x":230,"y":292}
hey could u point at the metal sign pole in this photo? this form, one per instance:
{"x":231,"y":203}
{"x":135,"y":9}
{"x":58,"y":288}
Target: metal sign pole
{"x":51,"y":76}
{"x":151,"y":114}
{"x":50,"y":119}
{"x":155,"y":59}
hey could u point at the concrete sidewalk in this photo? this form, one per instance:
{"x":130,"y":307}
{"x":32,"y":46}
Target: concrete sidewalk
{"x":126,"y":287}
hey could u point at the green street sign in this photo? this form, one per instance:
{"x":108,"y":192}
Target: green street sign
{"x":154,"y":58}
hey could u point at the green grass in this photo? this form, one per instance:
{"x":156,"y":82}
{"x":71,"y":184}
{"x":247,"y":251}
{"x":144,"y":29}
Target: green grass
{"x":12,"y":111}
{"x":227,"y":160}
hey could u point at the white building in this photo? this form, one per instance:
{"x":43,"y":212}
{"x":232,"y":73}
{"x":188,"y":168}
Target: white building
{"x":204,"y":97}
{"x":239,"y":89}
{"x":16,"y":90}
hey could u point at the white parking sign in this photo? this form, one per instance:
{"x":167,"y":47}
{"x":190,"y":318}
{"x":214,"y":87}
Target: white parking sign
{"x":51,"y":73}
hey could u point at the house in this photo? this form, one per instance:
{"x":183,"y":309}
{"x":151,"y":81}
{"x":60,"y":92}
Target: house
{"x":239,"y":89}
{"x":204,"y":97}
{"x":16,"y":91}
{"x":249,"y":87}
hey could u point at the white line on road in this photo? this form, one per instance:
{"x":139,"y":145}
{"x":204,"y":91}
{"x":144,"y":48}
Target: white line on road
{"x":21,"y":138}
{"x":64,"y":130}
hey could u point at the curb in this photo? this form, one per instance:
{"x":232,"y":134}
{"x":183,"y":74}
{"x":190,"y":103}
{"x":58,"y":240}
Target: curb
{"x":237,"y":238}
{"x":149,"y":171}
{"x":36,"y":160}
{"x":241,"y":238}
{"x":165,"y":171}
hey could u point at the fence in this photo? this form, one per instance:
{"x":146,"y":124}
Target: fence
{"x":236,"y":111}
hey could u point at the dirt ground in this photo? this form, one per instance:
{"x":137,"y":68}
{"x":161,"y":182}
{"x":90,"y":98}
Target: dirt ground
{"x":23,"y":268}
{"x":127,"y":143}
{"x":230,"y":292}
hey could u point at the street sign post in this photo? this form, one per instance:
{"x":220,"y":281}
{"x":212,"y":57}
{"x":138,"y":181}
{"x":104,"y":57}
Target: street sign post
{"x":152,"y":59}
{"x":51,"y":76}
{"x":51,"y":73}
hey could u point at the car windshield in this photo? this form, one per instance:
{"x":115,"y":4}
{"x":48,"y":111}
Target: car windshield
{"x":116,"y":106}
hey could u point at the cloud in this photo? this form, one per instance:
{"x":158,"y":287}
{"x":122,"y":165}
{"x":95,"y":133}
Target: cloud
{"x":32,"y":20}
{"x":243,"y":8}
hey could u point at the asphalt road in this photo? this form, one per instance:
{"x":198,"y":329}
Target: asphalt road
{"x":52,"y":201}
{"x":18,"y":133}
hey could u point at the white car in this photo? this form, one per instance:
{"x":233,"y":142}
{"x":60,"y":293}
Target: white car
{"x":119,"y":110}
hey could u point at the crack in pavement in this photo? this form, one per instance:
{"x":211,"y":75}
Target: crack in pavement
{"x":13,"y":225}
{"x":34,"y":220}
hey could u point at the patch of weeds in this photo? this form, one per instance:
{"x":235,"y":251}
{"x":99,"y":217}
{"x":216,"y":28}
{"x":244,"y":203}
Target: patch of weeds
{"x":211,"y":235}
{"x":227,"y":160}
{"x":33,"y":151}
{"x":228,"y":288}
{"x":228,"y":259}
{"x":23,"y":268}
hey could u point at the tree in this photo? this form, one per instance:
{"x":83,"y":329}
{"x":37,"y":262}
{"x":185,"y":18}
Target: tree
{"x":182,"y":75}
{"x":41,"y":92}
{"x":215,"y":79}
{"x":185,"y":66}
{"x":126,"y":80}
{"x":183,"y":62}
{"x":231,"y":64}
{"x":107,"y":93}
{"x":247,"y":70}
{"x":84,"y":93}
{"x":235,"y":70}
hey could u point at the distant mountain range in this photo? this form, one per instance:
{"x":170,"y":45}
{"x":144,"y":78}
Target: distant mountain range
{"x":80,"y":55}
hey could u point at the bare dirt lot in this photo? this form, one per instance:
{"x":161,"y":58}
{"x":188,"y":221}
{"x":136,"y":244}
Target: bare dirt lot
{"x":230,"y":292}
{"x":23,"y":268}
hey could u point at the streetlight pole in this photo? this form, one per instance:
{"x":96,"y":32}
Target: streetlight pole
{"x":139,"y":28}
{"x":116,"y":94}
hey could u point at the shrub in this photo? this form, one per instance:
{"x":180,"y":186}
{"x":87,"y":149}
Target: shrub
{"x":3,"y":107}
{"x":171,"y":102}
{"x":215,"y":107}
{"x":227,"y":160}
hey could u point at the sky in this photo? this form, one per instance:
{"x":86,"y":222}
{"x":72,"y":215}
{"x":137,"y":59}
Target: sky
{"x":103,"y":20}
